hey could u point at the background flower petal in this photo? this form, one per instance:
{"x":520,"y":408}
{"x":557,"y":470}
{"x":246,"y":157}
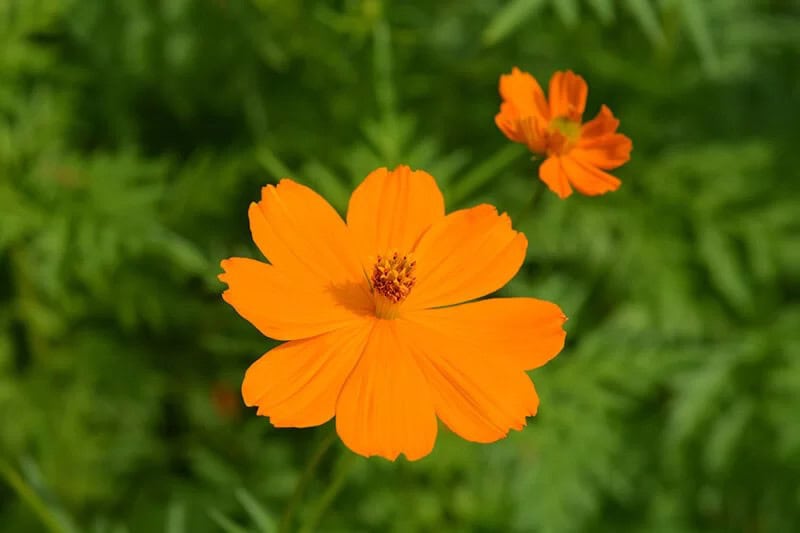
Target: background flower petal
{"x":524,"y":332}
{"x":587,"y":178}
{"x":477,"y":394}
{"x":554,"y":176}
{"x":466,"y":255}
{"x":524,"y":94}
{"x":508,"y":121}
{"x":567,"y":95}
{"x":385,"y":406}
{"x":390,"y":210}
{"x":300,"y":233}
{"x":599,"y":145}
{"x":297,"y":384}
{"x":525,"y":130}
{"x":606,"y":152}
{"x":602,"y":124}
{"x":281,"y":308}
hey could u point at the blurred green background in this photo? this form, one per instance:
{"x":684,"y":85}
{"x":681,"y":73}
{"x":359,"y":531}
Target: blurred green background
{"x":134,"y":133}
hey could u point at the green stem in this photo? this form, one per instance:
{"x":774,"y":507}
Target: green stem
{"x":324,"y":444}
{"x":528,"y":207}
{"x":25,"y":294}
{"x":330,"y":494}
{"x":480,"y":174}
{"x":29,"y":496}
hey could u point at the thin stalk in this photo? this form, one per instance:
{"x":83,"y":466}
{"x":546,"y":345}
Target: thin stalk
{"x":330,"y":494}
{"x":308,"y":474}
{"x":30,"y":498}
{"x":482,"y":173}
{"x":528,"y":207}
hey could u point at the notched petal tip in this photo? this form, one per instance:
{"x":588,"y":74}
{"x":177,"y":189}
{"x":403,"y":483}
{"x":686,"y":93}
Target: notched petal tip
{"x":254,"y":209}
{"x":266,"y":190}
{"x":226,"y":297}
{"x":226,"y":265}
{"x":605,"y":110}
{"x":286,"y":182}
{"x":393,"y":456}
{"x":479,"y":211}
{"x":570,"y":75}
{"x":517,"y":72}
{"x":283,"y":184}
{"x":401,"y":168}
{"x":486,"y":211}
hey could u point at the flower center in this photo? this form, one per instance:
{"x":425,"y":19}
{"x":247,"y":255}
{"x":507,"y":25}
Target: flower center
{"x":563,"y":134}
{"x":392,"y":280}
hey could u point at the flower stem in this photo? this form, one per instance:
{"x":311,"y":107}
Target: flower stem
{"x":482,"y":173}
{"x":319,"y":452}
{"x":327,"y":498}
{"x":529,"y":206}
{"x":27,"y":495}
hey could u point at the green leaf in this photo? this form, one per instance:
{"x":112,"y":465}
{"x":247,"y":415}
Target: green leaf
{"x":604,"y":10}
{"x":272,"y":164}
{"x":176,"y":518}
{"x":645,"y":14}
{"x":693,"y":12}
{"x":258,"y":514}
{"x":724,"y":268}
{"x":568,"y":11}
{"x":482,"y":173}
{"x":511,"y":16}
{"x":226,"y":524}
{"x":328,"y":184}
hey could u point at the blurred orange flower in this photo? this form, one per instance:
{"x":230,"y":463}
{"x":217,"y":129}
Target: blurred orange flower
{"x":368,"y":308}
{"x":576,"y":154}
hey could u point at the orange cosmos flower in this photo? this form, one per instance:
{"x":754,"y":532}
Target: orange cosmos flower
{"x":368,"y":308}
{"x":577,"y":154}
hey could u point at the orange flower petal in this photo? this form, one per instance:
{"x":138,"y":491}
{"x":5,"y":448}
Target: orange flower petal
{"x":567,"y":94}
{"x":604,"y":123}
{"x":525,"y":130}
{"x":300,"y":233}
{"x":508,"y":120}
{"x":478,"y":395}
{"x":587,"y":178}
{"x":600,"y":145}
{"x":283,"y":309}
{"x":385,"y":407}
{"x":466,"y":255}
{"x":525,"y":96}
{"x":525,"y":332}
{"x":607,"y":152}
{"x":391,"y":209}
{"x":554,"y":176}
{"x":298,"y":383}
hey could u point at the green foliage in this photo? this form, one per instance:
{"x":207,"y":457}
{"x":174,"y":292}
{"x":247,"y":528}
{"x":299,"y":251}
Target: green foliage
{"x":134,"y":134}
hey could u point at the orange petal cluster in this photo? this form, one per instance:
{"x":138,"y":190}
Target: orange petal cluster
{"x":368,"y":310}
{"x":577,"y":154}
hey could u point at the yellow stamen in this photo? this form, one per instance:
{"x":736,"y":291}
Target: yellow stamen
{"x":392,"y":280}
{"x":566,"y":127}
{"x":564,"y":133}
